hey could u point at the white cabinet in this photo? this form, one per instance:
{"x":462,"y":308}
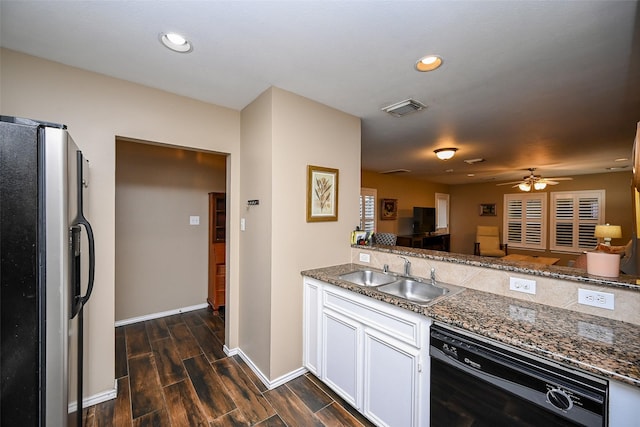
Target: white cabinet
{"x":391,"y":380}
{"x":311,"y":325}
{"x":341,"y":355}
{"x":373,"y":354}
{"x":624,"y":404}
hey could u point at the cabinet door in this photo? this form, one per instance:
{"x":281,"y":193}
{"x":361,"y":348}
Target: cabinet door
{"x":311,"y":327}
{"x":391,"y":380}
{"x":341,"y":355}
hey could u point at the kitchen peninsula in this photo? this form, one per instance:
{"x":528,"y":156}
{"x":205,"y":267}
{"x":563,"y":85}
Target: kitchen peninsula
{"x":549,"y":324}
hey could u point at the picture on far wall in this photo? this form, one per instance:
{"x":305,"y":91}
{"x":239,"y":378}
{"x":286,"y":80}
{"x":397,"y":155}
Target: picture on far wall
{"x":488,"y":209}
{"x":322,"y":194}
{"x":389,"y":209}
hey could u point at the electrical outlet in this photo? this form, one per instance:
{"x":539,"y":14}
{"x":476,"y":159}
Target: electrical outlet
{"x":595,"y":298}
{"x":522,"y":285}
{"x":365,"y":257}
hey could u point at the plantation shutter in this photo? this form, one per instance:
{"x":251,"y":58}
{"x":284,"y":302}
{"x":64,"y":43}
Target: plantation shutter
{"x":525,"y":220}
{"x":575,"y":215}
{"x":368,"y":209}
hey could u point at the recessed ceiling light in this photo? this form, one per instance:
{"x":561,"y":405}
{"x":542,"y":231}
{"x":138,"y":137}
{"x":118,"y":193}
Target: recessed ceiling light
{"x":471,"y":175}
{"x":621,"y":159}
{"x":176,"y":42}
{"x":428,"y":63}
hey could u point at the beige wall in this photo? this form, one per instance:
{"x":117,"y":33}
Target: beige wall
{"x":284,"y":133}
{"x":255,"y":263}
{"x":465,"y":201}
{"x":97,"y":109}
{"x":157,"y":189}
{"x":409,"y":192}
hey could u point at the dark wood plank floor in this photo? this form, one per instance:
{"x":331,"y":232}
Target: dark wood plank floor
{"x":173,"y":372}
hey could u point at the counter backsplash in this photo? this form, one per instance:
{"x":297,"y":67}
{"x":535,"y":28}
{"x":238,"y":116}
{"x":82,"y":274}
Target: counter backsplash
{"x":554,"y":286}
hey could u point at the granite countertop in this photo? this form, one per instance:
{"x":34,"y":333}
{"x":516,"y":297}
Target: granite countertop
{"x":536,"y":269}
{"x":599,"y":345}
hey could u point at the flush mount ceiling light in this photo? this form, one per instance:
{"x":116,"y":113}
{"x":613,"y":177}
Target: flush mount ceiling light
{"x":428,"y":63}
{"x":176,"y":42}
{"x":445,"y":153}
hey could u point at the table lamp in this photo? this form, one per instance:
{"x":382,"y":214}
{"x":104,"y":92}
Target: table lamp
{"x":608,"y":232}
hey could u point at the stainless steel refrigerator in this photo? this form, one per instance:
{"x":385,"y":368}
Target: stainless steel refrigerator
{"x":47,"y":267}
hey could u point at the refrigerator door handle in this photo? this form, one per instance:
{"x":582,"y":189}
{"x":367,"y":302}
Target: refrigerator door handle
{"x":82,"y":220}
{"x":92,"y":258}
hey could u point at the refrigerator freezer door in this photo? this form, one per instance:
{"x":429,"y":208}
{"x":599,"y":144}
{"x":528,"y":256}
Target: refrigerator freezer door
{"x":21,"y":352}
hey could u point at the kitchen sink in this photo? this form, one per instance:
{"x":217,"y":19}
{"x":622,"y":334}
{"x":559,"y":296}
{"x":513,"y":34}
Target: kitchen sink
{"x":368,"y":277}
{"x":414,"y":290}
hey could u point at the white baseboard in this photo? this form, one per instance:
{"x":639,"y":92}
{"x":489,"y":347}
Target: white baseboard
{"x":103,"y":396}
{"x":161,"y":314}
{"x":228,"y":351}
{"x":268,"y":383}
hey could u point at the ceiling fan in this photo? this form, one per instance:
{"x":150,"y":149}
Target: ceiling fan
{"x":535,"y":182}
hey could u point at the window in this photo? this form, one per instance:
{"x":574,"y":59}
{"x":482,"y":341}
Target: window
{"x":368,"y":198}
{"x":525,"y":220}
{"x":442,"y":212}
{"x":574,"y":216}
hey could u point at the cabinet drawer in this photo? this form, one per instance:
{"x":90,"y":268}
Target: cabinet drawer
{"x":381,"y":316}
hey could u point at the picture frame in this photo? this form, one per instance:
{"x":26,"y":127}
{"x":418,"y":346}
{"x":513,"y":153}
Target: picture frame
{"x":389,"y":209}
{"x":487,"y":209}
{"x":322,"y":194}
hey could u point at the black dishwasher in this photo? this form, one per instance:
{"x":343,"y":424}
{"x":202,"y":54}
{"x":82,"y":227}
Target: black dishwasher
{"x":479,"y":382}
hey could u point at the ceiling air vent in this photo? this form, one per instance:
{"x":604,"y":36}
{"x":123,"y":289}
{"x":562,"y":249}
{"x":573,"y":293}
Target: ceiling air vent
{"x":394,"y":171}
{"x":405,"y":107}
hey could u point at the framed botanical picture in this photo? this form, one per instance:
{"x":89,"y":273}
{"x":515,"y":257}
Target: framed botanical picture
{"x":389,"y":209}
{"x":322,"y":194}
{"x":488,"y":209}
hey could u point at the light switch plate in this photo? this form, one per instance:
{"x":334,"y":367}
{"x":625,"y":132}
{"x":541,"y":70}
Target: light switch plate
{"x":194,"y":220}
{"x":365,"y":257}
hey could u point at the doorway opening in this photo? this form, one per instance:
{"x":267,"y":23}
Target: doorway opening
{"x":162,"y":227}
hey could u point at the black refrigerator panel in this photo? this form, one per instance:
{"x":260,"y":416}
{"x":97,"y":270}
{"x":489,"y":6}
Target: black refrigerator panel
{"x":41,"y":226}
{"x":21,"y":298}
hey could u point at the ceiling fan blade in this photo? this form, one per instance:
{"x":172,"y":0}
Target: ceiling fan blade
{"x":558,"y":179}
{"x":510,"y":183}
{"x":551,"y":182}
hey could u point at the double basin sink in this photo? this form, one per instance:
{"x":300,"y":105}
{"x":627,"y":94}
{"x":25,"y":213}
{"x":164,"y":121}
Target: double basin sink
{"x":411,"y":289}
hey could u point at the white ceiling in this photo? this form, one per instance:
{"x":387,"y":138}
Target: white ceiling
{"x":553,"y":85}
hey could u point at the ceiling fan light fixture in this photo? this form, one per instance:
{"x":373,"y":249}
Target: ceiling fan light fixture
{"x":445,"y":153}
{"x":524,"y":186}
{"x":539,"y":185}
{"x":428,"y":63}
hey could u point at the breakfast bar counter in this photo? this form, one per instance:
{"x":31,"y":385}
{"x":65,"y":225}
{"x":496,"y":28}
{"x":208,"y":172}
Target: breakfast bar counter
{"x":609,"y":348}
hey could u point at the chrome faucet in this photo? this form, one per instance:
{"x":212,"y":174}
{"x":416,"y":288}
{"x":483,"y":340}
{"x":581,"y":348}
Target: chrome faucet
{"x":433,"y":275}
{"x":407,"y":266}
